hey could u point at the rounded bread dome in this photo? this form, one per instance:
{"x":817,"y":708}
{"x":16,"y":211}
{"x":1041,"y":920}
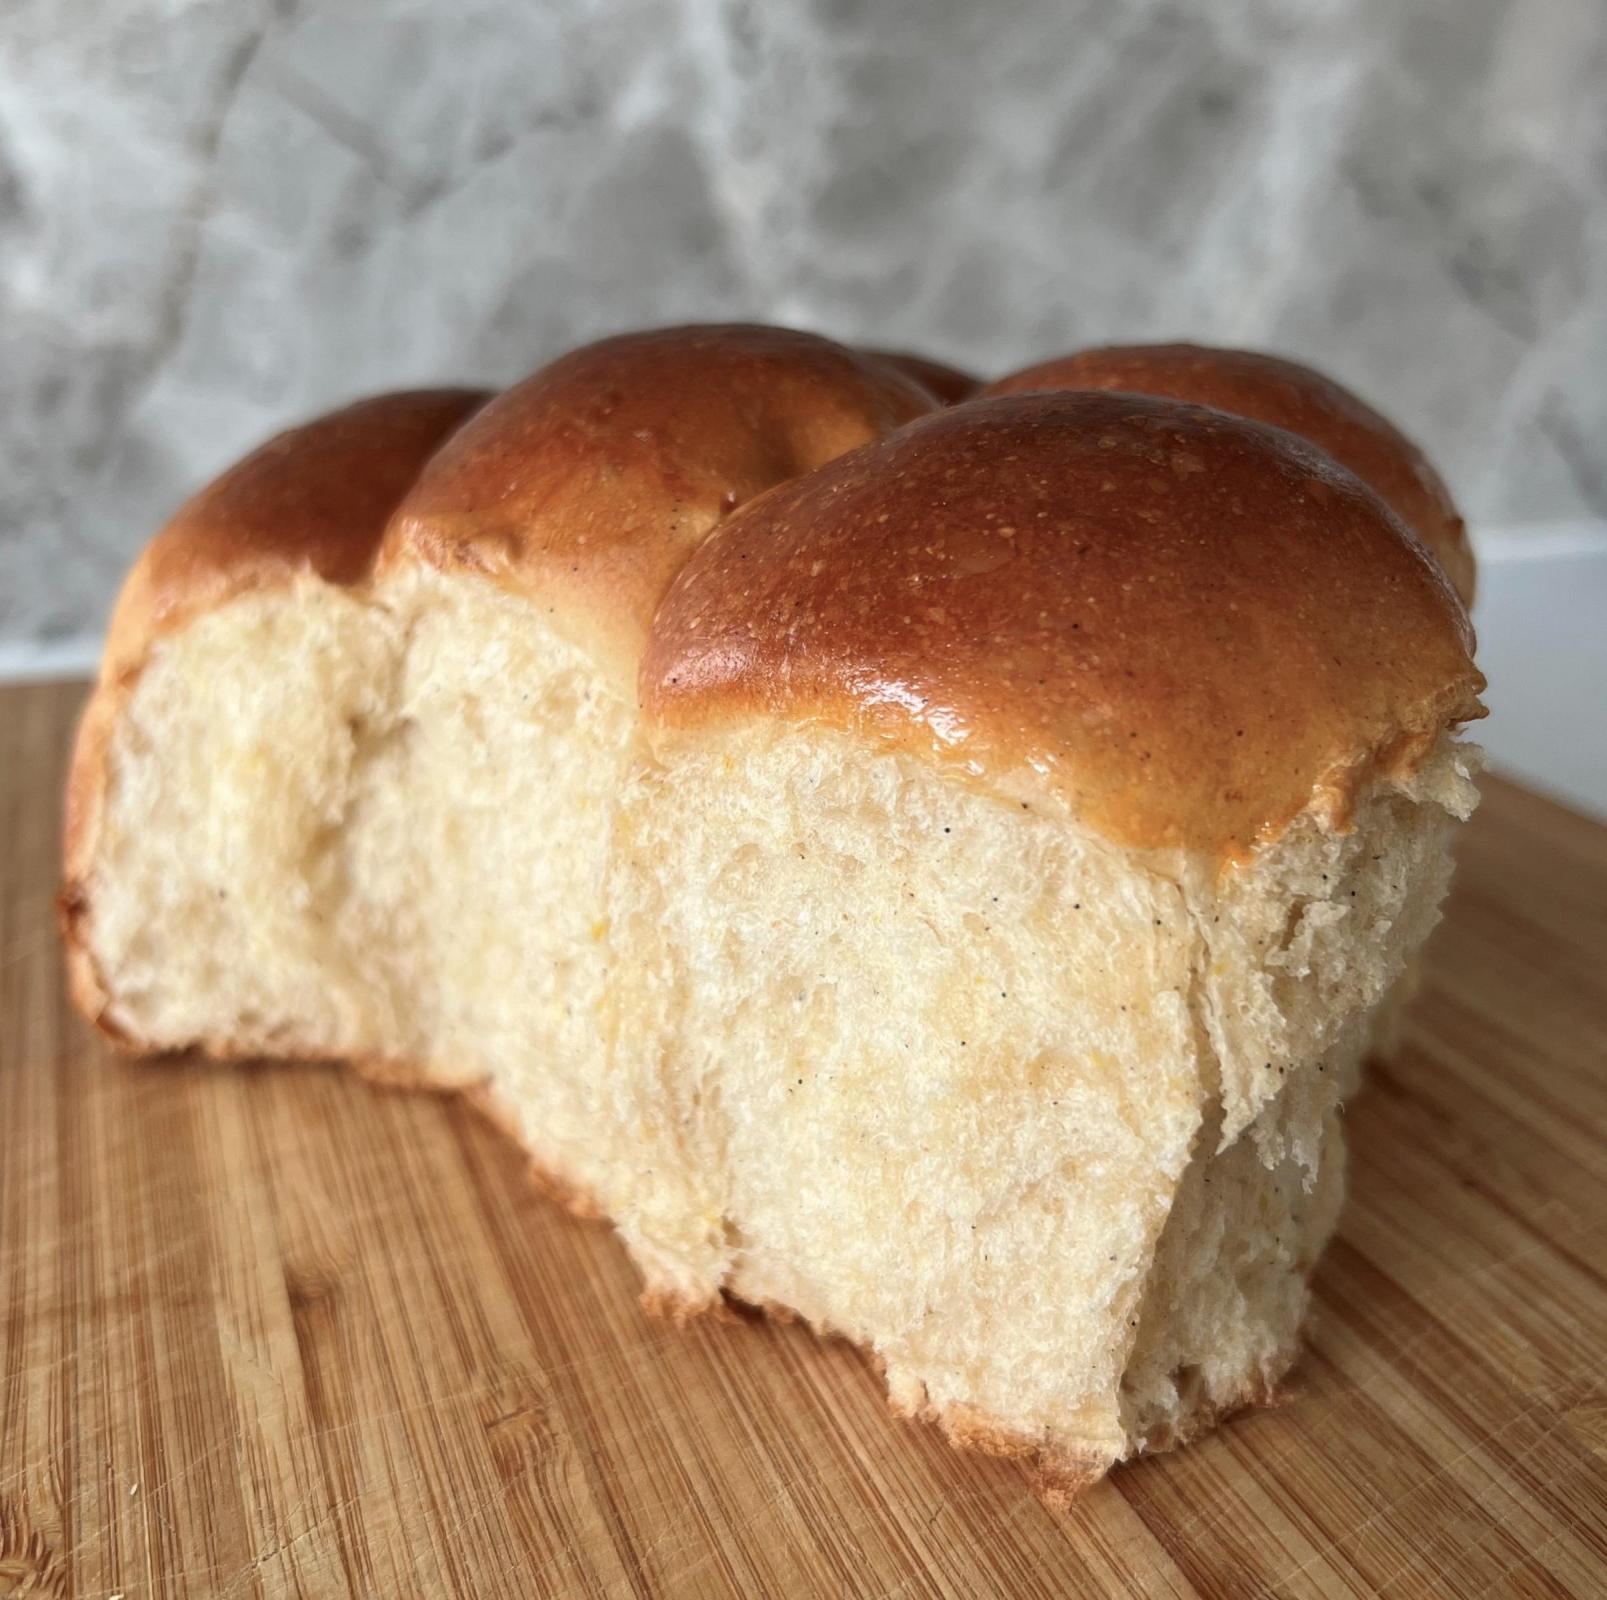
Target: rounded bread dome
{"x":587,"y":485}
{"x":1283,"y":394}
{"x":314,"y":499}
{"x":1183,"y":626}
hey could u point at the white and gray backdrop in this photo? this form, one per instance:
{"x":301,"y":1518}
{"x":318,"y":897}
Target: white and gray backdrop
{"x":219,"y":216}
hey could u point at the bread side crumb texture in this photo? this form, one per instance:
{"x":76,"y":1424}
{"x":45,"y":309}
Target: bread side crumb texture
{"x":1040,"y":1109}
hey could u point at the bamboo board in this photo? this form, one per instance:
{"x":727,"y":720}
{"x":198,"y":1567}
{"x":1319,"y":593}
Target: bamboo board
{"x":269,"y":1331}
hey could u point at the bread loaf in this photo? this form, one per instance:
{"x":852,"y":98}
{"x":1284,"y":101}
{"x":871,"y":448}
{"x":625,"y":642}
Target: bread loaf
{"x":931,"y":870}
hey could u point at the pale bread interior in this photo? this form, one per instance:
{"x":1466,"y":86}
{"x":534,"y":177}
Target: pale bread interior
{"x":1049,"y":1125}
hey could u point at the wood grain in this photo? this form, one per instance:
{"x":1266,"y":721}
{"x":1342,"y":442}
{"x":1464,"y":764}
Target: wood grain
{"x":268,"y":1331}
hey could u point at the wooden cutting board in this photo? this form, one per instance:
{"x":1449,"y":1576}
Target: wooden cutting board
{"x":272,"y":1331}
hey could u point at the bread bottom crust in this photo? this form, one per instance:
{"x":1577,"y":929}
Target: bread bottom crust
{"x":1057,"y":1475}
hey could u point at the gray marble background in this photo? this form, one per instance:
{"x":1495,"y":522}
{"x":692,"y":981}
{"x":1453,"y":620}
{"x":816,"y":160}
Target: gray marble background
{"x":218,"y":216}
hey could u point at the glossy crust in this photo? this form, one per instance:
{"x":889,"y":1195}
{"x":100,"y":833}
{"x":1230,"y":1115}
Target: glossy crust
{"x":945,"y":383}
{"x":588,"y":485}
{"x":311,"y":502}
{"x":1283,"y":394}
{"x":1183,"y":627}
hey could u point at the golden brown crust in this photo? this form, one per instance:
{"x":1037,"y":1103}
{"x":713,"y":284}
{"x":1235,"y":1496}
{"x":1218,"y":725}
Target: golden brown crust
{"x":1182,"y":626}
{"x":944,"y":383}
{"x":387,"y":1072}
{"x":86,"y":784}
{"x":314,"y":501}
{"x":1057,"y":1471}
{"x":1057,"y":1475}
{"x":1282,"y":394}
{"x":587,"y":485}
